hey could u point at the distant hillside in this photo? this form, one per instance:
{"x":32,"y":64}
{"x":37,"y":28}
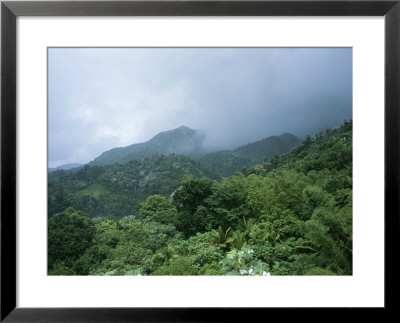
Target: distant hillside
{"x":119,"y":179}
{"x":183,"y":141}
{"x":225,"y":163}
{"x":186,"y":141}
{"x":65,"y":167}
{"x":118,"y":189}
{"x":331,"y":150}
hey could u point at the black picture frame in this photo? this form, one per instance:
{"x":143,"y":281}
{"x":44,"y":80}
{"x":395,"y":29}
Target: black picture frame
{"x":10,"y":10}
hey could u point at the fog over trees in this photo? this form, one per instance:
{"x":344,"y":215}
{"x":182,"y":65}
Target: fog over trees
{"x":102,"y":98}
{"x":200,"y":161}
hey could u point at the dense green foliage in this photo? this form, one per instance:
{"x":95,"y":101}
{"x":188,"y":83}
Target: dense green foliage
{"x":70,"y":233}
{"x":118,"y":189}
{"x":291,"y":215}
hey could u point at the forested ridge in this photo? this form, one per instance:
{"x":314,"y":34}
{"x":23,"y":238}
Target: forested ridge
{"x":288,"y":215}
{"x":118,"y":189}
{"x":119,"y":179}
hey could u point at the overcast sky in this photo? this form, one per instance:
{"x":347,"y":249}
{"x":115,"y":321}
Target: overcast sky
{"x":101,"y":98}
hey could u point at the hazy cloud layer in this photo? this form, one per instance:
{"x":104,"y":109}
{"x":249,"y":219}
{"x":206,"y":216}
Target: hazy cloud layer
{"x":102,"y":98}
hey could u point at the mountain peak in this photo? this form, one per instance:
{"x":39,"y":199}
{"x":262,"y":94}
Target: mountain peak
{"x":182,"y":140}
{"x":183,"y":131}
{"x":183,"y":127}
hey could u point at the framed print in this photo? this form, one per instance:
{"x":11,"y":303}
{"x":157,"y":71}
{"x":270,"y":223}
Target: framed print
{"x":156,"y":153}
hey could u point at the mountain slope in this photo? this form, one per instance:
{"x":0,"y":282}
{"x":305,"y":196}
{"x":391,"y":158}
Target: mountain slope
{"x":183,"y":140}
{"x":269,"y":147}
{"x":186,"y":141}
{"x":118,"y":189}
{"x":119,"y":179}
{"x":225,"y":163}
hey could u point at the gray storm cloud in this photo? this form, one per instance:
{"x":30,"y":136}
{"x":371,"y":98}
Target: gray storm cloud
{"x":101,"y":98}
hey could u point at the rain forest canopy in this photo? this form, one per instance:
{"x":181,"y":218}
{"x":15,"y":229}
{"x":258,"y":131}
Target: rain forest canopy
{"x":200,"y":161}
{"x":276,"y":206}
